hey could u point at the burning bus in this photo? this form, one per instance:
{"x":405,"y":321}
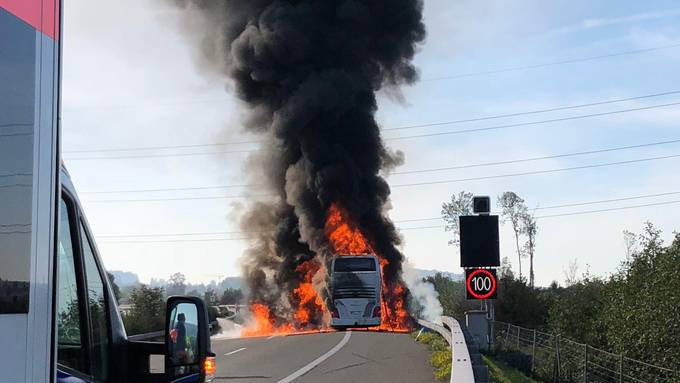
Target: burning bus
{"x":356,"y":291}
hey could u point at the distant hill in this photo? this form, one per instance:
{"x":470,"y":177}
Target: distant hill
{"x":125,"y":278}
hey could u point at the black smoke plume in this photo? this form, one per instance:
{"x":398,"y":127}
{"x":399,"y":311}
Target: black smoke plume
{"x":309,"y":72}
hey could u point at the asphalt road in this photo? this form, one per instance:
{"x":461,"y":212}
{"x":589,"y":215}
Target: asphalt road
{"x":341,"y":357}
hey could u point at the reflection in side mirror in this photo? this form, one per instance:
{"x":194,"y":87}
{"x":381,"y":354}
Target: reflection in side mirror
{"x":187,"y":340}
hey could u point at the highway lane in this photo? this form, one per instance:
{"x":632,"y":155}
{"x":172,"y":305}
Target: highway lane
{"x":356,"y":357}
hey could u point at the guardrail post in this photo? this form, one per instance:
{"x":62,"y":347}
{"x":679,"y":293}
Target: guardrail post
{"x":558,"y":362}
{"x":507,"y":335}
{"x":585,"y":363}
{"x":518,"y":330}
{"x":533,"y":353}
{"x":621,"y":368}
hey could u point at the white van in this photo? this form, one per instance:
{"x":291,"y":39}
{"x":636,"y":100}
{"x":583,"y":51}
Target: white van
{"x":356,"y":293}
{"x":59,"y":319}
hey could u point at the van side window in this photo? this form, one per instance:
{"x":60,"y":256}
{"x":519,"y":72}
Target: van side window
{"x":70,"y":350}
{"x":98,"y":310}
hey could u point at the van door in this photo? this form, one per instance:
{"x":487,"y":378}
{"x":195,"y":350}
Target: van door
{"x":83,"y":322}
{"x":29,"y":64}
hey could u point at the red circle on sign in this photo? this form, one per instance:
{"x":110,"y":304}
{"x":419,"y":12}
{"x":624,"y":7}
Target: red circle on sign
{"x":493,"y":284}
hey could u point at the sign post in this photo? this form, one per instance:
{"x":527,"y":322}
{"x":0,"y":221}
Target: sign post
{"x":480,"y":256}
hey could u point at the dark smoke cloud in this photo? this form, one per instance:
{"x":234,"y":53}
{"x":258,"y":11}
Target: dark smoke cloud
{"x":309,"y":72}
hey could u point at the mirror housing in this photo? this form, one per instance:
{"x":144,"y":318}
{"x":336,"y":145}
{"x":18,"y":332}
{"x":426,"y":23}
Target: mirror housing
{"x":187,"y":340}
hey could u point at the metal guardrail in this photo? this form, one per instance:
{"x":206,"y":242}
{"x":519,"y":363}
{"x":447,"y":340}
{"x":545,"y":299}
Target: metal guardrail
{"x":461,"y":370}
{"x":446,"y":334}
{"x":461,"y":365}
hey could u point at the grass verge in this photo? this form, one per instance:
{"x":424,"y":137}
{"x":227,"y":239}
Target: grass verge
{"x":502,"y":373}
{"x":441,"y":353}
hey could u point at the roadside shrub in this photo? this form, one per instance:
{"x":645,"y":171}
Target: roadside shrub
{"x":441,"y":353}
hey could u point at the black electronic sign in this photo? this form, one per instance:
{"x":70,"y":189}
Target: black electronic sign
{"x":479,"y":244}
{"x":480,"y":284}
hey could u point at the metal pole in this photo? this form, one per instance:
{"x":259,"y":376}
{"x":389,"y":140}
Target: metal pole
{"x":518,"y":330}
{"x":557,"y":358}
{"x":533,"y":353}
{"x":621,"y":368}
{"x":507,"y":334}
{"x":585,"y":363}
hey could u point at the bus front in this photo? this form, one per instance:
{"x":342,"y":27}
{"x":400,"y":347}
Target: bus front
{"x":355,"y":291}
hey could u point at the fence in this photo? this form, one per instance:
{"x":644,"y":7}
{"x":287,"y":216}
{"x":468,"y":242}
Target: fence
{"x":552,"y":358}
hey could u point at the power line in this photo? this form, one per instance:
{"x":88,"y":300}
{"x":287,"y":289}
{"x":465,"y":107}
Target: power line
{"x":181,"y":240}
{"x":176,"y":199}
{"x":170,"y":189}
{"x":553,"y":109}
{"x":539,"y":122}
{"x":148,"y":104}
{"x":539,"y":158}
{"x":396,"y":221}
{"x":175,"y":234}
{"x":536,"y":172}
{"x":162,"y":147}
{"x":156,"y":155}
{"x":453,"y":122}
{"x":402,"y":172}
{"x":568,"y":214}
{"x":553,"y":63}
{"x":564,"y":205}
{"x":606,"y":210}
{"x":414,"y":228}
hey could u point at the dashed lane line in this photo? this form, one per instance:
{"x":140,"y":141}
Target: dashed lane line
{"x":235,"y":351}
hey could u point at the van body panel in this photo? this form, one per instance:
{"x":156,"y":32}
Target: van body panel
{"x":29,"y":73}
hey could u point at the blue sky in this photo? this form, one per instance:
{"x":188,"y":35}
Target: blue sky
{"x":140,"y":86}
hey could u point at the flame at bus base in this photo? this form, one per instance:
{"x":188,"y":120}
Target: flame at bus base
{"x":345,"y":239}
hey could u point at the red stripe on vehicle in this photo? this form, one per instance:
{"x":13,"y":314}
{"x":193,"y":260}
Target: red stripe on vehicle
{"x":42,"y":15}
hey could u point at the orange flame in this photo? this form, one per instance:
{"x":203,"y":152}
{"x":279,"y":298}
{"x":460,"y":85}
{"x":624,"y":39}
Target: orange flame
{"x":346,"y":239}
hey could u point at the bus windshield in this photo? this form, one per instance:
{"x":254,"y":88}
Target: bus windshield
{"x":352,"y":264}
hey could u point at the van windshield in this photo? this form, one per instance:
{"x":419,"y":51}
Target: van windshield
{"x":351,"y":264}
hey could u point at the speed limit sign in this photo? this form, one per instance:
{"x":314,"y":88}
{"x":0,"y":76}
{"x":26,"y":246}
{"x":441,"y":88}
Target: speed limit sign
{"x":480,"y":283}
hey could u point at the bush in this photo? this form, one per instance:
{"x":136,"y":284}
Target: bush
{"x":148,"y":311}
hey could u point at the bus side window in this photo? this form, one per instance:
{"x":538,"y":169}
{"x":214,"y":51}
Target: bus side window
{"x":97,"y":307}
{"x":70,"y":319}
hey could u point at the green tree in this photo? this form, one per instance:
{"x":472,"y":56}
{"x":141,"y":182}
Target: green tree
{"x":576,"y":313}
{"x":529,"y":229}
{"x":642,"y":314}
{"x":148,"y":311}
{"x":231,"y":296}
{"x":177,"y":284}
{"x":451,"y":212}
{"x":513,"y":210}
{"x":520,"y":304}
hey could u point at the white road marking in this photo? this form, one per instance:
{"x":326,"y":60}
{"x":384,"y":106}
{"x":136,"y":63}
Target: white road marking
{"x":235,"y":351}
{"x":318,"y":360}
{"x":271,"y":337}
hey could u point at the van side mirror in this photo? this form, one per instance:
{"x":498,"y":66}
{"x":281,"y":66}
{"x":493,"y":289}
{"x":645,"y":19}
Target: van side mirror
{"x":187,"y":340}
